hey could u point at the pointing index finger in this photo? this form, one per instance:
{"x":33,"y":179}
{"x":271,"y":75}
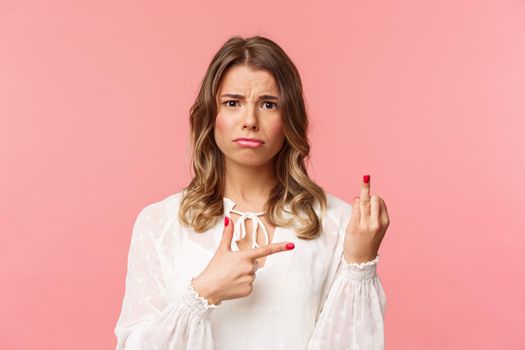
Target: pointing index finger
{"x":269,"y":249}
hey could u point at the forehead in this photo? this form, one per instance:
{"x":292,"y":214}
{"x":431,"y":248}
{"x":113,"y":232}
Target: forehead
{"x":242,"y":77}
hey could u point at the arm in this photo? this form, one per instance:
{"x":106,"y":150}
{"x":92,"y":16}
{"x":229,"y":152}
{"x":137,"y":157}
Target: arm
{"x":352,"y":316}
{"x":150,"y":317}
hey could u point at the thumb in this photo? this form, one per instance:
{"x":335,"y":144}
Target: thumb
{"x":227,"y":235}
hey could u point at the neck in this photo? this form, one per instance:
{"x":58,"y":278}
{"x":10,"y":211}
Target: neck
{"x":249,"y":186}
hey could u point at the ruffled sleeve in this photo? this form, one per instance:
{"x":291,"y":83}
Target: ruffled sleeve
{"x":150,"y":317}
{"x":352,"y":316}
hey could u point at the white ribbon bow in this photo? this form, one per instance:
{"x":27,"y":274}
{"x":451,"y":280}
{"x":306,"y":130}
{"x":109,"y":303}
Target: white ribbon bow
{"x":239,"y":231}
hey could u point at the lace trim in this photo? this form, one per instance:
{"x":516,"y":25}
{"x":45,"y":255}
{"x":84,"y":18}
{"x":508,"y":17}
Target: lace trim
{"x":194,"y":303}
{"x":199,"y":297}
{"x":360,"y":272}
{"x":360,"y":265}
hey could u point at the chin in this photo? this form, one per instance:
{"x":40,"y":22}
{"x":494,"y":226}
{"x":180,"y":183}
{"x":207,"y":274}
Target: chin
{"x":251,"y":160}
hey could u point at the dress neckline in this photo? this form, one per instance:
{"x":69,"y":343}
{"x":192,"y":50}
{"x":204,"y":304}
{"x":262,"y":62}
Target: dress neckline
{"x":239,"y":231}
{"x":228,"y":207}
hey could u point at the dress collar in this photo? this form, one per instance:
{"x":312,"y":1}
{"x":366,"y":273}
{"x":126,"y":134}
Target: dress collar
{"x":239,"y":231}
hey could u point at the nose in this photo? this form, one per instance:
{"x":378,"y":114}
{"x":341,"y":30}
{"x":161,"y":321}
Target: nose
{"x":250,"y":120}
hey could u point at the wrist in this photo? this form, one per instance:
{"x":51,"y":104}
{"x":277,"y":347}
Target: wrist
{"x":203,"y":291}
{"x":359,"y":259}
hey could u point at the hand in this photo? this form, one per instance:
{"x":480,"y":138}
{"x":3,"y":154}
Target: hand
{"x":229,"y":274}
{"x":367,"y":226}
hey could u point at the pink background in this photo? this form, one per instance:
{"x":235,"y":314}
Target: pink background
{"x":428,"y":97}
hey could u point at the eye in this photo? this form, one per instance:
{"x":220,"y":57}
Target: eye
{"x":227,"y":103}
{"x":272,"y":103}
{"x":265,"y":103}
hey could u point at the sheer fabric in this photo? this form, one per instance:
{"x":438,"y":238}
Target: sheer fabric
{"x":306,"y":298}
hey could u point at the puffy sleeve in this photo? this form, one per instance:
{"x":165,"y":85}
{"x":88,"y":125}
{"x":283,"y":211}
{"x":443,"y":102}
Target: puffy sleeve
{"x":353,"y":313}
{"x":352,"y":316}
{"x":150,"y":317}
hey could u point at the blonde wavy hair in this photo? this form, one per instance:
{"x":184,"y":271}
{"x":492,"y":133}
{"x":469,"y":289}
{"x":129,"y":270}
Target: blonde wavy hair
{"x":202,"y":203}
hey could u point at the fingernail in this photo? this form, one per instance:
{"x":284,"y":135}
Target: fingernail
{"x":356,"y":197}
{"x":366,"y":179}
{"x":226,"y":221}
{"x":290,"y":246}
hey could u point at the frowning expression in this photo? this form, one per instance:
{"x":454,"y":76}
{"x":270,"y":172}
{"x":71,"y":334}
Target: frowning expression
{"x":248,"y":106}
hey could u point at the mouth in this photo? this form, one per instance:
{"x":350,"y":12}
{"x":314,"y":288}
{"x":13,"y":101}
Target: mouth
{"x":249,"y":142}
{"x":248,"y":139}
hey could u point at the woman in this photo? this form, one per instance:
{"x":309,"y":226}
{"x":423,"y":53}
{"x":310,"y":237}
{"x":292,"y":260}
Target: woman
{"x":304,"y":277}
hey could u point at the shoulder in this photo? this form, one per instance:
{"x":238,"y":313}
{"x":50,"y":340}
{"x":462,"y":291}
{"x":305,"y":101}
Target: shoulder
{"x":338,"y":209}
{"x":161,"y":211}
{"x":334,"y":202}
{"x":163,"y":205}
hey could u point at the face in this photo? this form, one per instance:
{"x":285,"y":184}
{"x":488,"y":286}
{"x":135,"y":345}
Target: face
{"x":248,"y":106}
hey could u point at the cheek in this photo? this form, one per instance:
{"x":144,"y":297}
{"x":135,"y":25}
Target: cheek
{"x":220,"y":123}
{"x":276,"y":130}
{"x":222,"y":130}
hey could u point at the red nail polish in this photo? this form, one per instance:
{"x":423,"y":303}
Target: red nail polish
{"x":366,"y":179}
{"x":226,"y":221}
{"x":290,"y":246}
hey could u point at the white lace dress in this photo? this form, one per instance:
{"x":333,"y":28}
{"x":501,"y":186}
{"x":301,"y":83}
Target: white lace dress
{"x":306,"y":298}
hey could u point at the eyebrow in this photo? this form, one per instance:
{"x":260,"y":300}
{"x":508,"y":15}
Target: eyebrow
{"x":241,"y":97}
